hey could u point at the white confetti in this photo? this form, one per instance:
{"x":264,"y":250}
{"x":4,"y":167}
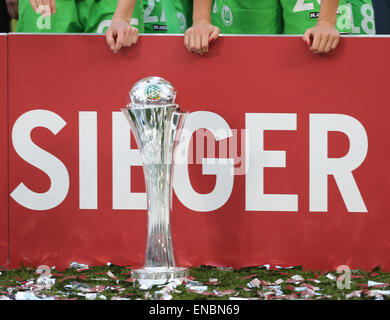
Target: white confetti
{"x":331,"y":276}
{"x":29,"y":295}
{"x":279,"y":281}
{"x":78,"y":266}
{"x":382,"y":292}
{"x":90,"y":296}
{"x":255,"y":283}
{"x":357,"y":293}
{"x":297,"y":278}
{"x":299,"y":289}
{"x":374,"y":283}
{"x":198,"y":288}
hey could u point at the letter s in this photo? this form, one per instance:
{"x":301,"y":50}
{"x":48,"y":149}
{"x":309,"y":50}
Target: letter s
{"x":43,"y":160}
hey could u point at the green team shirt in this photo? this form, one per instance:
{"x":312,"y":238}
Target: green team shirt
{"x":96,"y":15}
{"x":63,"y":21}
{"x":363,"y":19}
{"x":177,"y":15}
{"x":300,"y":15}
{"x":75,"y":16}
{"x":154,"y":16}
{"x":187,"y":11}
{"x":247,"y":16}
{"x":164,"y":16}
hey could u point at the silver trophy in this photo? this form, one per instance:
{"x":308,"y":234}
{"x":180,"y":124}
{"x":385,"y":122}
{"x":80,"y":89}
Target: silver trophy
{"x":156,"y":122}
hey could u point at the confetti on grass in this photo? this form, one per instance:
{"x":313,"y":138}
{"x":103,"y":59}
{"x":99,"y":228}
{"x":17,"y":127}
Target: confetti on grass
{"x":111,"y":282}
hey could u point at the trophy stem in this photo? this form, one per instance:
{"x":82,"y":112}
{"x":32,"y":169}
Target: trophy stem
{"x":159,"y":252}
{"x":157,"y":130}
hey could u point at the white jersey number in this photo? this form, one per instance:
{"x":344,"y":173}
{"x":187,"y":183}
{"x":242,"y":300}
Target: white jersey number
{"x":368,"y":21}
{"x":302,"y":6}
{"x":148,"y":18}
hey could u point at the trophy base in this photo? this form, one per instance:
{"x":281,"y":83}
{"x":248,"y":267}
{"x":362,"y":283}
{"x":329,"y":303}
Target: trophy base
{"x":150,"y":276}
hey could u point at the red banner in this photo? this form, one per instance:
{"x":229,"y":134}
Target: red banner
{"x":3,"y":153}
{"x":307,"y":134}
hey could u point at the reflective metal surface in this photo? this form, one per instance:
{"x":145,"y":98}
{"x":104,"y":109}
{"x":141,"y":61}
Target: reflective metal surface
{"x":156,"y":128}
{"x":152,"y":91}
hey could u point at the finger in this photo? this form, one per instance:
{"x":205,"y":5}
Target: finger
{"x":198,"y":43}
{"x":49,"y":9}
{"x":205,"y":43}
{"x":192,"y":42}
{"x":129,"y":37}
{"x":125,"y":37}
{"x":135,"y":36}
{"x":53,"y":6}
{"x":215,"y":34}
{"x":120,"y":41}
{"x":34,"y":5}
{"x":40,"y":8}
{"x":335,"y":42}
{"x":316,"y":42}
{"x":329,"y":44}
{"x":43,"y":8}
{"x":307,"y":36}
{"x":323,"y":43}
{"x":110,"y":38}
{"x":187,"y":40}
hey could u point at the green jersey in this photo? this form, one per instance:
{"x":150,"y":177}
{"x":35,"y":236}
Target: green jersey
{"x":164,"y":16}
{"x":96,"y":15}
{"x":65,"y":19}
{"x":363,"y":19}
{"x":74,"y":16}
{"x":187,"y":11}
{"x":177,"y":15}
{"x":154,"y":17}
{"x":247,"y":16}
{"x":300,"y":15}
